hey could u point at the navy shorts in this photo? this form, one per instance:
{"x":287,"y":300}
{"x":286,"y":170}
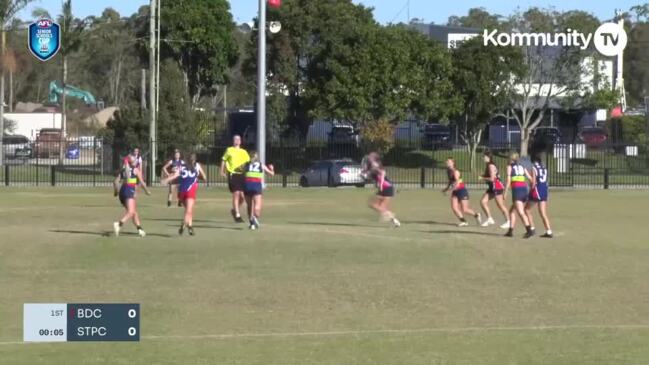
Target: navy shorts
{"x":519,"y":194}
{"x":461,"y":194}
{"x":494,"y":192}
{"x":386,"y":192}
{"x":126,"y":193}
{"x":253,"y":188}
{"x":539,"y":194}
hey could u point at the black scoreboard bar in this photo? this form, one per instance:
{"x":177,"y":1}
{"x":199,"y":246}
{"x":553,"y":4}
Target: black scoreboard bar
{"x":60,"y":322}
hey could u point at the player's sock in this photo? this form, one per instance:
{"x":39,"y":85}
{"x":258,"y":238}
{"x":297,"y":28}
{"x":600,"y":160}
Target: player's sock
{"x":510,"y":232}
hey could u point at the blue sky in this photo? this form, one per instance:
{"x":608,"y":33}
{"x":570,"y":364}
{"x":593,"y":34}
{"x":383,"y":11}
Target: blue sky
{"x":385,"y":11}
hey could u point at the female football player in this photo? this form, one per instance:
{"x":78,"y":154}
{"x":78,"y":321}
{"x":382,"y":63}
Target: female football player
{"x":173,"y":165}
{"x":375,"y":171}
{"x":539,"y":195}
{"x":517,"y":179}
{"x":253,"y":187}
{"x":494,"y":191}
{"x":460,"y":195}
{"x":130,"y":176}
{"x":187,"y":175}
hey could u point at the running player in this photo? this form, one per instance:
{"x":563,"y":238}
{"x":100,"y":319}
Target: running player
{"x":460,"y":195}
{"x":517,"y":179}
{"x":495,"y":189}
{"x":188,"y":176}
{"x":253,"y":188}
{"x":173,"y":165}
{"x":539,"y":195}
{"x":375,"y":171}
{"x":131,"y":177}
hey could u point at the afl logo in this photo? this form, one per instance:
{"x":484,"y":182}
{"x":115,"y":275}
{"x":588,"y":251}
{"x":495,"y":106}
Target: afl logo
{"x":45,"y":23}
{"x":44,"y":39}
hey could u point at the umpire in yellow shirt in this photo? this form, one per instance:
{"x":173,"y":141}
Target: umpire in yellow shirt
{"x":234,"y":159}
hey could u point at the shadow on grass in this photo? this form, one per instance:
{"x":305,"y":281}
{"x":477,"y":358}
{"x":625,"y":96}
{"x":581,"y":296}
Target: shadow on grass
{"x":333,"y":224}
{"x":108,"y":233}
{"x":210,"y":227}
{"x":459,"y":231}
{"x":431,"y":222}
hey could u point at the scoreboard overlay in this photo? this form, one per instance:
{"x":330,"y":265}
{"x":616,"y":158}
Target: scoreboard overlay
{"x":66,"y":322}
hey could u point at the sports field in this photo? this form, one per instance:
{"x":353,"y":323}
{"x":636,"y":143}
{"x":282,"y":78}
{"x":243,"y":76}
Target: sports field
{"x":324,"y":282}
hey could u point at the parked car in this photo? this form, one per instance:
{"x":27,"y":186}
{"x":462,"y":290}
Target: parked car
{"x":593,"y":136}
{"x":343,"y":135}
{"x":16,"y":146}
{"x":548,"y":136}
{"x":436,"y":136}
{"x":333,"y":173}
{"x":48,"y":142}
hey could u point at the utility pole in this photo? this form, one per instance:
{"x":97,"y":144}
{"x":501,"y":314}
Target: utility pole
{"x":619,"y":79}
{"x":143,"y":91}
{"x":157,"y":70}
{"x":152,"y":88}
{"x":2,"y":95}
{"x":261,"y":83}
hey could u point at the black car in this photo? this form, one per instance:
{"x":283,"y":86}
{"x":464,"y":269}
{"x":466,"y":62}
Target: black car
{"x":436,"y":136}
{"x":546,"y":136}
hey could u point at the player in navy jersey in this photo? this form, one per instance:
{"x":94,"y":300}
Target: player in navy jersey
{"x":173,"y":165}
{"x":539,"y":195}
{"x":374,"y":170}
{"x":495,"y":190}
{"x":188,"y":176}
{"x":253,"y":187}
{"x":460,"y":195}
{"x":130,"y":177}
{"x":518,"y":178}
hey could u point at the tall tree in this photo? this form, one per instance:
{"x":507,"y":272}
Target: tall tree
{"x":8,"y":9}
{"x":551,"y":72}
{"x":199,"y":36}
{"x":482,"y":77}
{"x":477,"y":18}
{"x":636,"y":56}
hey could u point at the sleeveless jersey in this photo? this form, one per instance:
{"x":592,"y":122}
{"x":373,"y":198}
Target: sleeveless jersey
{"x":541,"y":175}
{"x":188,"y":178}
{"x":517,"y":175}
{"x":459,"y":184}
{"x":497,"y":184}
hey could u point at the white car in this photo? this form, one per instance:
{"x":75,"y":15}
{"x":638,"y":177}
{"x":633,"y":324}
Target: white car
{"x":333,"y":173}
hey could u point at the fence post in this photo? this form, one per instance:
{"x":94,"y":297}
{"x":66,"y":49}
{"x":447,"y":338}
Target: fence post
{"x":606,"y":178}
{"x":53,"y":175}
{"x":94,"y":161}
{"x":7,"y":175}
{"x":284,"y":179}
{"x":422,"y":178}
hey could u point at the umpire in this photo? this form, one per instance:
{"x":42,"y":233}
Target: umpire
{"x":234,"y":159}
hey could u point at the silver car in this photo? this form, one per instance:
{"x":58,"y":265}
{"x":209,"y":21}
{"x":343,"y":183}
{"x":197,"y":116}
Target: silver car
{"x":16,"y":146}
{"x":333,"y":173}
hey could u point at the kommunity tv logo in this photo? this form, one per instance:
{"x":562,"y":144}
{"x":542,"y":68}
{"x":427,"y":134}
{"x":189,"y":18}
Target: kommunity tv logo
{"x":610,"y":39}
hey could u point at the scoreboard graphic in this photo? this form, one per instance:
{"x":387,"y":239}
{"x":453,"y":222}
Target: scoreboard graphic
{"x":63,"y":322}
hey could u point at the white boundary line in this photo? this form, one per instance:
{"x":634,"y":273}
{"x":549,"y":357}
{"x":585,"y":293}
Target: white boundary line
{"x":227,"y":336}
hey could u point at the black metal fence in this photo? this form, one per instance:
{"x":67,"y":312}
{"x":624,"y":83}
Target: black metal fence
{"x":93,"y":162}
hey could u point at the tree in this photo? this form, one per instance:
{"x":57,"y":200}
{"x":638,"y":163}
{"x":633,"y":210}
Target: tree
{"x":551,"y":72}
{"x":477,"y":18}
{"x":482,"y":77}
{"x":8,"y":9}
{"x":636,"y":56}
{"x":199,"y":36}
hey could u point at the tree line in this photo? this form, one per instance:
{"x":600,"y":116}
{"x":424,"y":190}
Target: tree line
{"x":331,"y":60}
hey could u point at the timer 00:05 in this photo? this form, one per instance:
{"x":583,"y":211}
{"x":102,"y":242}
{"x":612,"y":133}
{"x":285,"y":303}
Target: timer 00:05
{"x":46,"y":332}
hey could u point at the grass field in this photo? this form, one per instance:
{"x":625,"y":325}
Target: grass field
{"x":323,"y":282}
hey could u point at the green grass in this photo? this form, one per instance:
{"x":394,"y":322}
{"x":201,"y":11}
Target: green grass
{"x":323,"y":282}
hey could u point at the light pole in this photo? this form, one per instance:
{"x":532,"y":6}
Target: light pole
{"x":152,"y":88}
{"x":261,"y":82}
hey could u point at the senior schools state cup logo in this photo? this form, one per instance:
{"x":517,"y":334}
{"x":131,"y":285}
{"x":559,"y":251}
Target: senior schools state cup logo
{"x":44,"y":39}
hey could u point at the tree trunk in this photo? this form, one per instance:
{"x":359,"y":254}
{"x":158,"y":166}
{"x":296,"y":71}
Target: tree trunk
{"x":524,"y":141}
{"x":119,"y":75}
{"x":63,"y":113}
{"x":11,"y":91}
{"x":474,"y":142}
